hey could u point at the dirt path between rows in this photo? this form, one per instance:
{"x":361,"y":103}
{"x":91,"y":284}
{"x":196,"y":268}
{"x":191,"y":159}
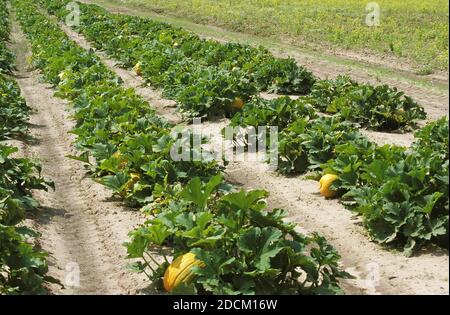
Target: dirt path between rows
{"x":80,"y":226}
{"x":426,"y":273}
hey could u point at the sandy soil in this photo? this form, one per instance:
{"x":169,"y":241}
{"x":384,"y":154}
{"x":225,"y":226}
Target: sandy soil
{"x":392,"y":273}
{"x":80,"y":225}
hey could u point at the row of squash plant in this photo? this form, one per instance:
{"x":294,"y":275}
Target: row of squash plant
{"x":401,"y":193}
{"x":6,"y":56}
{"x":209,"y":78}
{"x":223,"y":240}
{"x":14,"y":111}
{"x":23,"y":267}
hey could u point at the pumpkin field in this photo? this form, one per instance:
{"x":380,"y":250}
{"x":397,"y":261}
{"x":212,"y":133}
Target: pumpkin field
{"x":334,"y":183}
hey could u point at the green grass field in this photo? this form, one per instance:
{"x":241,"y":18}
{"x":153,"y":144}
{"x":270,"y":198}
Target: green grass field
{"x":415,"y":30}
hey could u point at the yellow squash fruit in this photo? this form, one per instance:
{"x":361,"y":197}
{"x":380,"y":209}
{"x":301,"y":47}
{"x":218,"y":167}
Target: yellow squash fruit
{"x":130,"y":184}
{"x":180,"y":271}
{"x":62,"y":75}
{"x":325,"y":183}
{"x":134,"y":179}
{"x":138,"y":69}
{"x":238,"y":103}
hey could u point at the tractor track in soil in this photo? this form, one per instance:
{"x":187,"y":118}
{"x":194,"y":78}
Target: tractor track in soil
{"x":425,"y":273}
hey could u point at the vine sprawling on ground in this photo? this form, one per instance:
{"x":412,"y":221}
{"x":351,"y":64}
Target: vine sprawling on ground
{"x":401,"y":194}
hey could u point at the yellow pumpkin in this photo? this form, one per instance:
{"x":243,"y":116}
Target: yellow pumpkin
{"x":135,"y":177}
{"x":138,"y":69}
{"x":238,"y":103}
{"x":325,"y":183}
{"x":130,"y":184}
{"x":180,"y":271}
